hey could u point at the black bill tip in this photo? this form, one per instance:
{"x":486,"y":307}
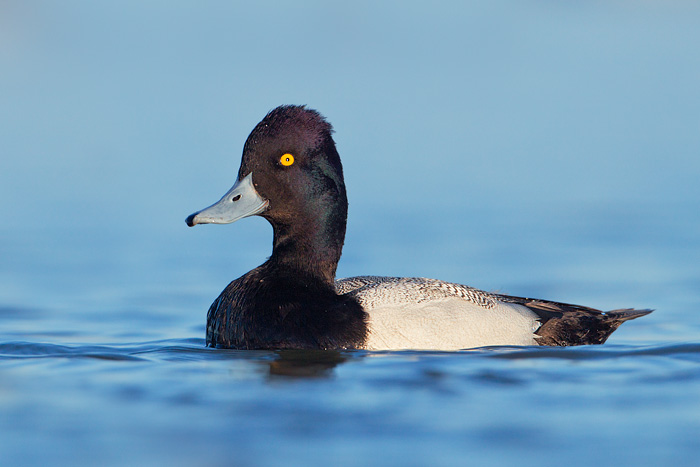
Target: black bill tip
{"x":190,"y":220}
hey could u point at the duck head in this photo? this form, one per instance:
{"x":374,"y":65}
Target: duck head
{"x":291,"y":175}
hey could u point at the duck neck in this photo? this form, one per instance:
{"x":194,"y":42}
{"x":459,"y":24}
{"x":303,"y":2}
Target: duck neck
{"x":312,"y":246}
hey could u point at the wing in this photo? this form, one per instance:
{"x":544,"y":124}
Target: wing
{"x":373,"y":291}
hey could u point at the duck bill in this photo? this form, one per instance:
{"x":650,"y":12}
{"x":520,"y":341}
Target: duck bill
{"x":242,"y":200}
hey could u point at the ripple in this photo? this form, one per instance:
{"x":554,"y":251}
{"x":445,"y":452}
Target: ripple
{"x":195,"y":349}
{"x":134,"y":352}
{"x":598,"y":352}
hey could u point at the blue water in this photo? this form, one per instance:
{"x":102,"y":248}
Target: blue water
{"x":533,"y":148}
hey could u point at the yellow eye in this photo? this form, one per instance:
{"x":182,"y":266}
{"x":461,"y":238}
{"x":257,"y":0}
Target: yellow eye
{"x":287,"y":159}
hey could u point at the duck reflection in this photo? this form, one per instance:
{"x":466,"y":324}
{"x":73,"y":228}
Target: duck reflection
{"x":306,"y":363}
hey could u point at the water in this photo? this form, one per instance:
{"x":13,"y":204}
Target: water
{"x":535,"y":149}
{"x":175,"y":401}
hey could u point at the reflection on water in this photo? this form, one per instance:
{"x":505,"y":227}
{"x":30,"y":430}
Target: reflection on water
{"x":305,"y":363}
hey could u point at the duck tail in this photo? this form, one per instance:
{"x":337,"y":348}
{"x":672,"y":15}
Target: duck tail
{"x":583,"y":326}
{"x":626,"y":314}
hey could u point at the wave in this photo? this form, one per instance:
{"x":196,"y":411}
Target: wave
{"x":194,"y":348}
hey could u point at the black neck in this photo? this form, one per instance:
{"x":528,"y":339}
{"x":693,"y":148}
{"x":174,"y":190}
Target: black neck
{"x":313,"y":246}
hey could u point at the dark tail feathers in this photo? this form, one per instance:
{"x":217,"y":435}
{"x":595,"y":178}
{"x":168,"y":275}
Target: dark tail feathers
{"x":576,"y":327}
{"x":626,"y":314}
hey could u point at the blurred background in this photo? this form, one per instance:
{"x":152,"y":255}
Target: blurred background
{"x":536,"y":148}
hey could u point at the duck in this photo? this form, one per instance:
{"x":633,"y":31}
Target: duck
{"x":292,"y":176}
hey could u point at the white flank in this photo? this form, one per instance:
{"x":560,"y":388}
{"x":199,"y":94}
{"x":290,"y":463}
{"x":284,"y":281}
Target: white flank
{"x":427,"y":314}
{"x":449,"y":324}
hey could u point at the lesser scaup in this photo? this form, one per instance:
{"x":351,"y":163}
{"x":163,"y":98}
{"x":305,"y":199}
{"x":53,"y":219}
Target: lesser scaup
{"x":291,"y":175}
